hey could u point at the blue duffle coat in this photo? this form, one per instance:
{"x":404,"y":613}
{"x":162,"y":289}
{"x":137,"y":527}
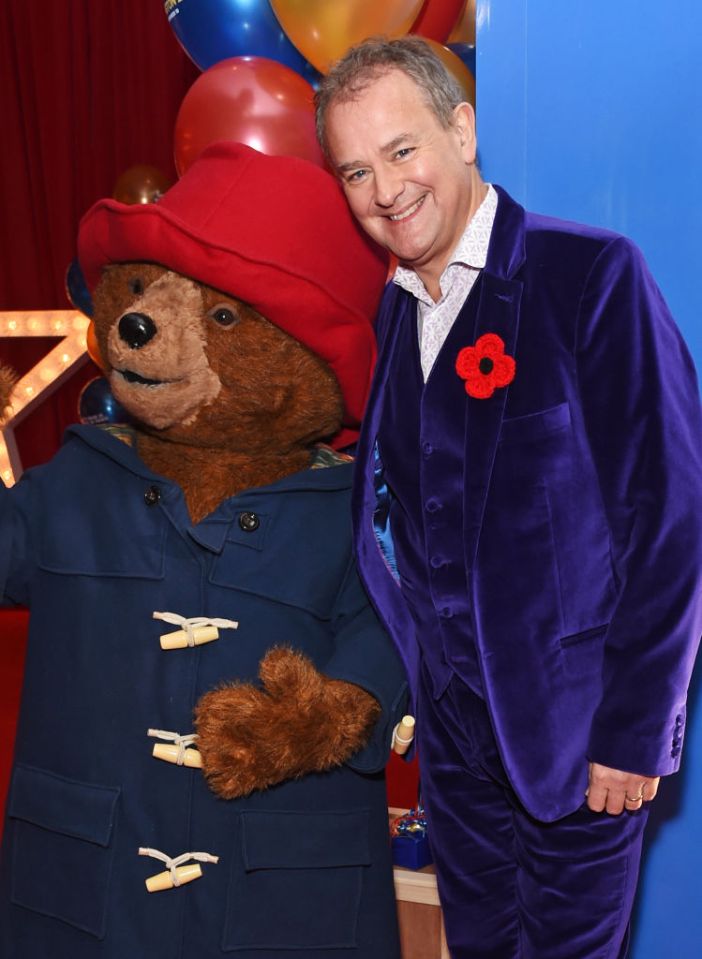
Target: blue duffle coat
{"x":94,"y":543}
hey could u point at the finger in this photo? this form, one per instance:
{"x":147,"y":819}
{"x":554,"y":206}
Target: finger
{"x":615,"y":802}
{"x":596,"y":798}
{"x":650,"y":788}
{"x":632,"y":804}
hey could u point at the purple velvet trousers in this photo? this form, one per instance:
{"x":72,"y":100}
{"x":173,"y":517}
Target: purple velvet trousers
{"x":512,"y":887}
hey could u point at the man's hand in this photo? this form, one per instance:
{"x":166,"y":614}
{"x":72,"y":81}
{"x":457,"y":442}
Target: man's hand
{"x":614,"y":790}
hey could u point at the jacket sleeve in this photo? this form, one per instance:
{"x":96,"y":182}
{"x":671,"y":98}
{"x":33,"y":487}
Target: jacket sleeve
{"x":642,"y":416}
{"x":365,"y":655}
{"x":16,"y":552}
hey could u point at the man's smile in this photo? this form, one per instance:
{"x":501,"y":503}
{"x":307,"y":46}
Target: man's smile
{"x":396,"y":217}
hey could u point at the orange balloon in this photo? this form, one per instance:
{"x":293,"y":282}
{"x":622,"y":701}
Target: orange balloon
{"x":464,"y":30}
{"x":91,"y":345}
{"x":140,"y":184}
{"x":457,"y":67}
{"x":251,"y":100}
{"x":323,"y":31}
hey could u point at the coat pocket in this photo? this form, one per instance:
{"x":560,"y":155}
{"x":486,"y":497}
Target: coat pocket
{"x":296,"y":881}
{"x":62,"y":855}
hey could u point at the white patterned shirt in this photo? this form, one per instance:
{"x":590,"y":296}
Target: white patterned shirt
{"x":434,"y":320}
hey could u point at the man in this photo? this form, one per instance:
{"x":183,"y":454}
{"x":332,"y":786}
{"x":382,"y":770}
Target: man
{"x":527,"y":513}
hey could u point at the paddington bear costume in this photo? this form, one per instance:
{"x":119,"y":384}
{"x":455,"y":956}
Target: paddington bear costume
{"x":293,"y":863}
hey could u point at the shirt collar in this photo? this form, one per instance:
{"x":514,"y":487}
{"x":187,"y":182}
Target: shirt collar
{"x":471,"y":250}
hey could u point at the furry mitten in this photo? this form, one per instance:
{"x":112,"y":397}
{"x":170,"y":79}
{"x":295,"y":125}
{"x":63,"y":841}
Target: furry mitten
{"x":299,"y":722}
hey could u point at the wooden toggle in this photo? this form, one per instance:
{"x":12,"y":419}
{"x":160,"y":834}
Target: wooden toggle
{"x":169,"y":753}
{"x":164,"y":880}
{"x":403,"y":735}
{"x":179,"y":639}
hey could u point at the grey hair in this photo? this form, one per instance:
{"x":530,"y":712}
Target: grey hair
{"x":375,"y":57}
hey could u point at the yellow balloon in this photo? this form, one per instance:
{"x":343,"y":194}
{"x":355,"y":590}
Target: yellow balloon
{"x":457,"y":67}
{"x":464,"y":31}
{"x":323,"y":30}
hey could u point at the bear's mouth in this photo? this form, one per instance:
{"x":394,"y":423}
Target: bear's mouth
{"x":131,"y":377}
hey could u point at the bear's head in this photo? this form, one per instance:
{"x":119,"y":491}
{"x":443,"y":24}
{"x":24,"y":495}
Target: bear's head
{"x":234,"y":319}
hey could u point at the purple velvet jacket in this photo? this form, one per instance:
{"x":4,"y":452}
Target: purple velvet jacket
{"x":582,"y":507}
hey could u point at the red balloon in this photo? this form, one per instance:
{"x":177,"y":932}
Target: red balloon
{"x":251,"y":100}
{"x":437,"y":18}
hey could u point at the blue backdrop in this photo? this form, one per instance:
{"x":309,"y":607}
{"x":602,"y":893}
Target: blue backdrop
{"x":593,"y":111}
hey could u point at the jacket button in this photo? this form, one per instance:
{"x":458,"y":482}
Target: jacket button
{"x":678,"y":721}
{"x":249,"y":522}
{"x":152,"y":496}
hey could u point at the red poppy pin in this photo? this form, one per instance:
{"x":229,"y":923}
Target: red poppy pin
{"x":485,"y":367}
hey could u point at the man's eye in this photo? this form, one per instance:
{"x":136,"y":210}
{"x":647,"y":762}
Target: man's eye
{"x":403,"y":152}
{"x":223,"y":315}
{"x":356,"y":176}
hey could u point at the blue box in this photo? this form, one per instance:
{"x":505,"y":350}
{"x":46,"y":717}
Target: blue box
{"x":411,"y":852}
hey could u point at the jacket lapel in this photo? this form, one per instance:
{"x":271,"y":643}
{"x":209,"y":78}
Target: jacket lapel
{"x":498,"y":312}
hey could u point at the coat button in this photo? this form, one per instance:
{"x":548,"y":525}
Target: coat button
{"x":152,"y":496}
{"x":249,"y":522}
{"x":678,"y":721}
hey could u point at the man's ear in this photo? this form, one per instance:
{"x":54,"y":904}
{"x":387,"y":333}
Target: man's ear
{"x":464,"y":125}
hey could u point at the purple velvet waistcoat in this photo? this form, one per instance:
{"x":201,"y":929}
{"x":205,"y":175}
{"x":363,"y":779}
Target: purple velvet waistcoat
{"x":425,"y":479}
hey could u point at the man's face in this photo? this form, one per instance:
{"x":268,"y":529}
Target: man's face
{"x":411,"y":183}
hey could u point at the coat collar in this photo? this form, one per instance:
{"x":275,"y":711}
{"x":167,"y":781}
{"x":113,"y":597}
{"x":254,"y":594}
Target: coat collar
{"x":335,"y":474}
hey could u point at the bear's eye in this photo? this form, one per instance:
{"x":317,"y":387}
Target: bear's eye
{"x":223,"y":315}
{"x":136,"y":285}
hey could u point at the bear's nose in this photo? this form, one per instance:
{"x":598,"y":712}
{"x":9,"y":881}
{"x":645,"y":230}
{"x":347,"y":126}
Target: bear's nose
{"x":136,"y":329}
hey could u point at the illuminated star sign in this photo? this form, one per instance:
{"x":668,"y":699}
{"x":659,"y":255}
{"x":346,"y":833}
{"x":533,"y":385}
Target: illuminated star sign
{"x":44,"y":378}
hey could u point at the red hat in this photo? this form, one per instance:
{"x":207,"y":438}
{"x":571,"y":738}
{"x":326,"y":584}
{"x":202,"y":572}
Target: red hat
{"x":273,"y":231}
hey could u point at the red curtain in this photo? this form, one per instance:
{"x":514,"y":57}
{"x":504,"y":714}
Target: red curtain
{"x":89,"y":89}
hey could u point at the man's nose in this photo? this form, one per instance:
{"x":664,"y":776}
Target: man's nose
{"x":388,"y":186}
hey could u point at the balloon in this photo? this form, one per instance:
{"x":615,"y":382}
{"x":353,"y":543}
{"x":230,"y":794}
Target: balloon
{"x":323,"y":30}
{"x":252,"y":100}
{"x":464,"y":30}
{"x":140,"y":184}
{"x":456,"y":66}
{"x":91,"y":345}
{"x":96,"y":404}
{"x":465,"y":52}
{"x":214,"y":30}
{"x":436,"y":18}
{"x":76,"y":289}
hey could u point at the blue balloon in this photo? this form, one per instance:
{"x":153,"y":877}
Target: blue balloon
{"x":97,"y":405}
{"x":76,"y":289}
{"x":214,"y":30}
{"x":464,"y":52}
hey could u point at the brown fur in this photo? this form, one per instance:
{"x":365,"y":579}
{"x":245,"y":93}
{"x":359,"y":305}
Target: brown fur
{"x":299,"y":722}
{"x":240,"y":407}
